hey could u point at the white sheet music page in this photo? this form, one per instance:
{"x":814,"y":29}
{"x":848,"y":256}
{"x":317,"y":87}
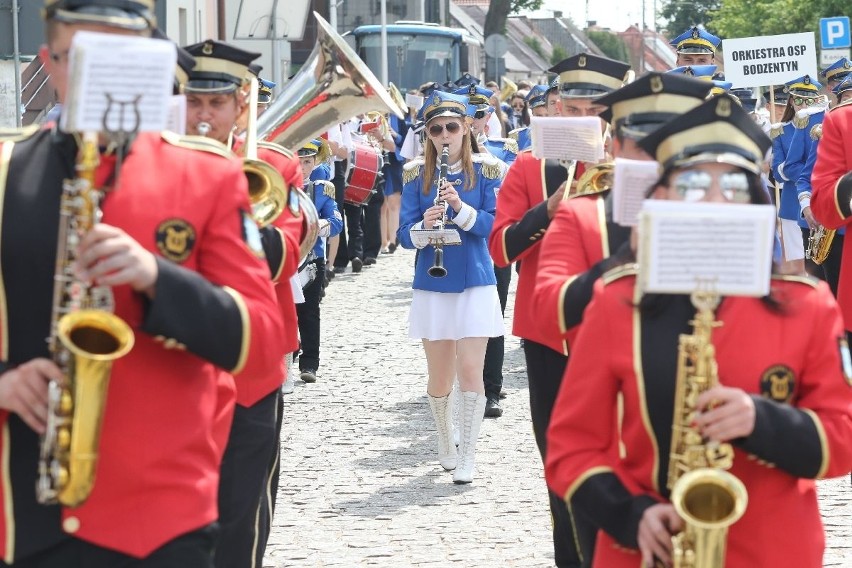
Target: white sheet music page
{"x":431,"y":237}
{"x":567,"y":138}
{"x":631,"y":181}
{"x":117,"y":82}
{"x":728,"y":245}
{"x":177,"y":114}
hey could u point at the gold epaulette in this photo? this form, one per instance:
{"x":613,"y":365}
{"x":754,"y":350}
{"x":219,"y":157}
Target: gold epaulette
{"x":411,"y":170}
{"x":491,"y":166}
{"x":327,"y":187}
{"x":514,"y":134}
{"x":776,"y":131}
{"x":801,"y":121}
{"x":275,"y":148}
{"x":816,"y":131}
{"x":510,"y":145}
{"x":619,"y":272}
{"x":18,"y":134}
{"x":197,"y":143}
{"x":809,"y":280}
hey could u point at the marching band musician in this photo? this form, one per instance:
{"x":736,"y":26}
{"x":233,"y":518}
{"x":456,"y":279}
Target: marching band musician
{"x":215,"y":96}
{"x":456,"y":314}
{"x":582,"y":241}
{"x":789,"y":382}
{"x":331,"y":223}
{"x":504,"y":149}
{"x":831,"y":182}
{"x":528,"y":199}
{"x":178,"y":248}
{"x":787,"y":161}
{"x":393,"y":181}
{"x":537,"y":102}
{"x":835,"y":73}
{"x":695,"y":46}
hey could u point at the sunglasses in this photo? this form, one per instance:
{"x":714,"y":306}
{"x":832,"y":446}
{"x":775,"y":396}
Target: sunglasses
{"x":805,"y":100}
{"x":438,"y":129}
{"x":693,"y":186}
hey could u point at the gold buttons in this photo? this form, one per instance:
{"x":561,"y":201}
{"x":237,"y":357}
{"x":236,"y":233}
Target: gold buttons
{"x":71,"y":525}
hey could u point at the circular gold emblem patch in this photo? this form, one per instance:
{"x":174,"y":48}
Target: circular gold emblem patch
{"x":778,"y":383}
{"x":175,"y":239}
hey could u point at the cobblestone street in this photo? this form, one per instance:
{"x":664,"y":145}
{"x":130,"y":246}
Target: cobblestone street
{"x":360,"y":482}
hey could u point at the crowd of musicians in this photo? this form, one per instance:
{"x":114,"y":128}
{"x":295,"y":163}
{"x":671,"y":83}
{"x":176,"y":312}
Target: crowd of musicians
{"x":223,"y":302}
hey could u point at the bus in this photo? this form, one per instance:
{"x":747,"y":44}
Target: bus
{"x":419,"y":52}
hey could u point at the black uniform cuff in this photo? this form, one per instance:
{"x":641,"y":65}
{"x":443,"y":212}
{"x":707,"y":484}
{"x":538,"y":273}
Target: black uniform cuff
{"x":843,"y":193}
{"x":579,"y":292}
{"x":786,"y":437}
{"x":605,"y":501}
{"x":197,"y":314}
{"x":527,"y":231}
{"x":273,"y":248}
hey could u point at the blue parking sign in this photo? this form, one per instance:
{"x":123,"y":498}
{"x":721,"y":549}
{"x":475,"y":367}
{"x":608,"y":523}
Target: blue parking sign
{"x":834,"y":32}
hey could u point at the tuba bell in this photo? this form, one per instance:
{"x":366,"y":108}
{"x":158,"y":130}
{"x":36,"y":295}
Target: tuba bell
{"x":596,"y":179}
{"x":508,"y":89}
{"x":397,"y":97}
{"x":332,"y":86}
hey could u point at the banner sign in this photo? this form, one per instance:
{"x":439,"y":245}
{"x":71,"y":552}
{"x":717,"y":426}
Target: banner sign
{"x":769,"y":60}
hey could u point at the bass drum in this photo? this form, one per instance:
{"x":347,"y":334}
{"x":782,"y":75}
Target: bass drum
{"x":362,"y":174}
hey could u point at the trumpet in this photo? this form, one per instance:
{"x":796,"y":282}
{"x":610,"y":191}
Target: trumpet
{"x":437,"y":270}
{"x":596,"y":179}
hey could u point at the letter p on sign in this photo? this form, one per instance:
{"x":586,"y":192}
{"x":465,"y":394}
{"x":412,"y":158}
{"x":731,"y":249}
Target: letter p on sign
{"x":834,"y":32}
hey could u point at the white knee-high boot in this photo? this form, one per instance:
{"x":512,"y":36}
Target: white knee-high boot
{"x":440,"y":406}
{"x":473,"y":409}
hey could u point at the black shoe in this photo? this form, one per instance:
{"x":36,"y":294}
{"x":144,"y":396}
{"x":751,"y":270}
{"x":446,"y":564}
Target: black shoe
{"x":391,"y":248}
{"x":502,"y":394}
{"x":329,"y":274}
{"x":357,"y":263}
{"x":493,"y":408}
{"x":339,"y":269}
{"x":369,"y":261}
{"x":309,"y":375}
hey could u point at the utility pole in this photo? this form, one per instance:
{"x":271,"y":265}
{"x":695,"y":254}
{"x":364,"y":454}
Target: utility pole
{"x":17,"y":57}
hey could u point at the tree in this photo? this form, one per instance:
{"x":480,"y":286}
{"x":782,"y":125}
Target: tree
{"x":612,"y":45}
{"x":499,"y":10}
{"x":769,"y":17}
{"x":680,"y":15}
{"x":559,"y":53}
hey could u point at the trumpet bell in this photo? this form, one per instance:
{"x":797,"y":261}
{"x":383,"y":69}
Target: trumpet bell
{"x":332,"y":86}
{"x":311,"y":223}
{"x":267,"y":191}
{"x":596,"y":179}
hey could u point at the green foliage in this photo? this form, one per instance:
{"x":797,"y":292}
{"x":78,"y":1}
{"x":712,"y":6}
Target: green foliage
{"x":735,"y":18}
{"x":535,"y":45}
{"x":518,"y":5}
{"x":499,"y":10}
{"x":612,"y":45}
{"x":679,"y":15}
{"x":559,"y":53}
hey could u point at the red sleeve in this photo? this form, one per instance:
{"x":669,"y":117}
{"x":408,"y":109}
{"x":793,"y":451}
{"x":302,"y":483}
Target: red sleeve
{"x":513,"y":203}
{"x":831,"y":179}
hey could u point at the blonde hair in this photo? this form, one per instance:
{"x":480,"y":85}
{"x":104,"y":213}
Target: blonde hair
{"x":430,"y":161}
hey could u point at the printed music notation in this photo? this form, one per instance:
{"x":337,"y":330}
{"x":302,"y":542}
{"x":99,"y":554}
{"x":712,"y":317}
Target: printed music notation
{"x":682,"y":244}
{"x":114,"y":77}
{"x":567,"y":138}
{"x":631,"y":181}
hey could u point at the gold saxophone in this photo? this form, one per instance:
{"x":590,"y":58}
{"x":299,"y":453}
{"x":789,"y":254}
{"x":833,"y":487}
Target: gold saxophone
{"x":708,"y":498}
{"x":84,"y":341}
{"x":819,"y":244}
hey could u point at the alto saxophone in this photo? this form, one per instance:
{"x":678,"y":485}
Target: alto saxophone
{"x":708,"y":498}
{"x":84,"y":341}
{"x":819,"y":244}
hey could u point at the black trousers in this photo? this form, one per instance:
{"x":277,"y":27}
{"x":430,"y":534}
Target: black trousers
{"x":309,"y":321}
{"x":352,"y":239}
{"x":191,"y":550}
{"x":831,"y":266}
{"x":250,"y":458}
{"x":492,"y":372}
{"x":545,"y":368}
{"x":373,"y":225}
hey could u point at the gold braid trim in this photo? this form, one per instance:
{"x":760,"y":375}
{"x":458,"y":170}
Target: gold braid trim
{"x":511,"y":145}
{"x":197,"y":143}
{"x":816,"y":131}
{"x":492,"y":170}
{"x":800,"y":122}
{"x":776,"y":131}
{"x":411,"y":171}
{"x":327,"y":188}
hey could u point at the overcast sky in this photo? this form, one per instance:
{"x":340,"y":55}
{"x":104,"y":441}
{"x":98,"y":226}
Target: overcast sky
{"x":615,"y":14}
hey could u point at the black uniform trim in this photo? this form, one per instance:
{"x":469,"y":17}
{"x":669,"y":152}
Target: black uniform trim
{"x":788,"y":438}
{"x":609,"y":505}
{"x":663,"y":319}
{"x":273,"y":247}
{"x":527,"y":231}
{"x":211,"y":322}
{"x":843,"y":194}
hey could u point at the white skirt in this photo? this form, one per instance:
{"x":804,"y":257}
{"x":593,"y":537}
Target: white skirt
{"x":443,"y":315}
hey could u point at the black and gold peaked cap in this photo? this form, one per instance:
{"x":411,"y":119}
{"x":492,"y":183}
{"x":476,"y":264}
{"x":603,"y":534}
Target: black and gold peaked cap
{"x":134,"y":15}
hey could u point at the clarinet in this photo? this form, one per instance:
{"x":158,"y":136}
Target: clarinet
{"x":437,"y":270}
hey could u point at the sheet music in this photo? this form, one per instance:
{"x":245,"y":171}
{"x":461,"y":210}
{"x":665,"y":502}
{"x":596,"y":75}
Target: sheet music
{"x":728,"y":244}
{"x":631,"y":181}
{"x":177,"y":114}
{"x":414,"y":101}
{"x":567,"y":138}
{"x":113,"y":76}
{"x":430,"y":237}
